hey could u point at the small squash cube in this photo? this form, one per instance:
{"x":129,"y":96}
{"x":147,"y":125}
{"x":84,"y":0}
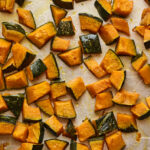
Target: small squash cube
{"x":140,"y":30}
{"x":78,"y":146}
{"x":2,"y":82}
{"x":96,"y":143}
{"x":3,"y":105}
{"x":145,"y":18}
{"x":147,"y":38}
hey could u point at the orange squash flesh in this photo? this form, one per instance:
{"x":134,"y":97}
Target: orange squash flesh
{"x":3,"y":105}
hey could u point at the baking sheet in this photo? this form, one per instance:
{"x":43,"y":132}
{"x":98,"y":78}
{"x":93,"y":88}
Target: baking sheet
{"x":85,"y":106}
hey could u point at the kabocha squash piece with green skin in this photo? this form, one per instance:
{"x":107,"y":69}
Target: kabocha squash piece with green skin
{"x":20,"y":2}
{"x":118,"y":78}
{"x":90,"y":43}
{"x":125,"y":98}
{"x":2,"y":82}
{"x":89,"y":22}
{"x":76,"y":87}
{"x":147,"y":38}
{"x":67,"y":4}
{"x":7,"y":125}
{"x":3,"y":105}
{"x":41,"y":35}
{"x":52,"y":71}
{"x":30,"y":146}
{"x":104,"y":8}
{"x":37,"y":91}
{"x":58,"y":13}
{"x":54,"y":144}
{"x":115,"y":141}
{"x":7,"y":5}
{"x":126,"y":123}
{"x":72,"y":57}
{"x":26,"y":18}
{"x":12,"y":32}
{"x":140,"y":30}
{"x":78,"y":146}
{"x":16,"y":81}
{"x":54,"y":126}
{"x":22,"y":56}
{"x":30,"y":114}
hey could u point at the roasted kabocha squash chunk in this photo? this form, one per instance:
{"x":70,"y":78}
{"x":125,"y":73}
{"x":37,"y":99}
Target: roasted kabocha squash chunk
{"x":126,"y":123}
{"x":26,"y":18}
{"x":30,"y":146}
{"x":36,"y":133}
{"x":103,"y":101}
{"x":54,"y":144}
{"x":117,"y":79}
{"x":85,"y":130}
{"x":3,"y":105}
{"x":115,"y":141}
{"x":122,"y":7}
{"x":67,"y":4}
{"x":104,"y":8}
{"x":7,"y":5}
{"x":138,"y":61}
{"x":125,"y":98}
{"x":66,"y":27}
{"x":58,"y":13}
{"x":30,"y":114}
{"x":12,"y":32}
{"x":54,"y":126}
{"x":70,"y":131}
{"x":109,"y":34}
{"x":2,"y":82}
{"x":41,"y":35}
{"x":141,"y":111}
{"x":64,"y":109}
{"x":52,"y":71}
{"x":90,"y":43}
{"x":37,"y":91}
{"x":7,"y":125}
{"x":72,"y":57}
{"x":76,"y":87}
{"x":35,"y":69}
{"x":140,"y":30}
{"x":148,"y":101}
{"x":78,"y":146}
{"x":16,"y":81}
{"x":111,"y":62}
{"x":22,"y":56}
{"x":147,"y":38}
{"x":89,"y":22}
{"x":46,"y":106}
{"x":21,"y":132}
{"x":98,"y":87}
{"x":58,"y":88}
{"x":145,"y":18}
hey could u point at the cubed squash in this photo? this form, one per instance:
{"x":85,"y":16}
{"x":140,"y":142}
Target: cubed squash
{"x":145,"y":18}
{"x":31,"y":146}
{"x":2,"y":82}
{"x":3,"y":105}
{"x":78,"y":146}
{"x":7,"y":5}
{"x":96,"y":143}
{"x":147,"y":38}
{"x":140,"y":30}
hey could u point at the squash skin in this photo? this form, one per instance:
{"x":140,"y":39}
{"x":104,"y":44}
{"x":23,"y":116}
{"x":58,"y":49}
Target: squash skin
{"x":2,"y":80}
{"x":147,"y":38}
{"x":63,"y":4}
{"x":78,"y":146}
{"x":31,"y":146}
{"x":20,"y":2}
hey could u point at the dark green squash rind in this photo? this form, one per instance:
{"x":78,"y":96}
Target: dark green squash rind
{"x":31,"y":121}
{"x":20,"y":2}
{"x":52,"y":131}
{"x":37,"y":147}
{"x":129,"y":129}
{"x":96,"y":138}
{"x":73,"y":145}
{"x":8,"y":119}
{"x":147,"y":44}
{"x":66,"y":5}
{"x":41,"y":132}
{"x":9,"y":69}
{"x":144,"y":116}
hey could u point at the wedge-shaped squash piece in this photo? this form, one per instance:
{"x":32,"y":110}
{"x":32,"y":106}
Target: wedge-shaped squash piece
{"x":4,"y":50}
{"x":30,"y":146}
{"x":104,"y":8}
{"x":17,"y":80}
{"x":7,"y":125}
{"x":122,"y":7}
{"x":14,"y":103}
{"x":22,"y":56}
{"x":46,"y":106}
{"x":111,"y":62}
{"x":148,"y":101}
{"x":115,"y":141}
{"x":138,"y":61}
{"x":140,"y":30}
{"x":141,"y":111}
{"x":103,"y":101}
{"x":98,"y":87}
{"x":3,"y":105}
{"x":145,"y":18}
{"x":72,"y":57}
{"x":12,"y":32}
{"x":117,"y":79}
{"x":85,"y":130}
{"x":89,"y":22}
{"x":52,"y":71}
{"x":7,"y":5}
{"x":35,"y":69}
{"x":90,"y":43}
{"x":37,"y":91}
{"x":70,"y":131}
{"x":36,"y":133}
{"x":54,"y":144}
{"x":147,"y":38}
{"x":54,"y":126}
{"x":120,"y":25}
{"x":59,"y":44}
{"x":58,"y":13}
{"x":30,"y":114}
{"x":21,"y":132}
{"x":105,"y":124}
{"x":78,"y":146}
{"x":26,"y":18}
{"x":2,"y":82}
{"x":64,"y":109}
{"x":58,"y":88}
{"x":67,"y":4}
{"x":41,"y":35}
{"x":126,"y":123}
{"x":126,"y":98}
{"x":109,"y":34}
{"x":76,"y":87}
